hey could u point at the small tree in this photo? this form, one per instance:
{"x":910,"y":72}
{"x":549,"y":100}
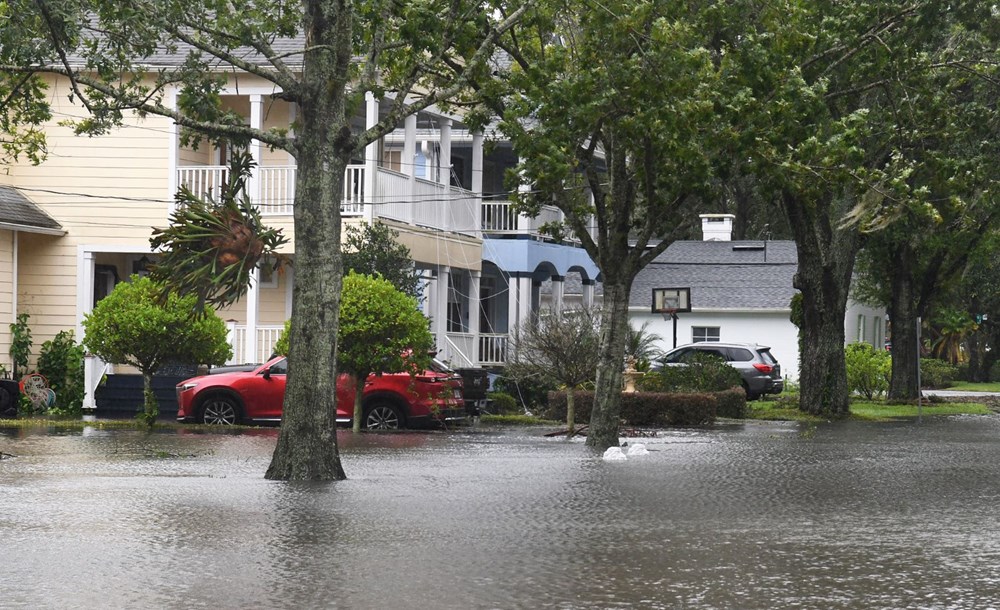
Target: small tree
{"x":372,"y":249}
{"x":563,"y":349}
{"x":133,"y":325}
{"x":20,"y":345}
{"x":381,"y":331}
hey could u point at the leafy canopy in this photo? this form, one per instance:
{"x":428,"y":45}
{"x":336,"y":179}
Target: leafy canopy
{"x":133,"y":326}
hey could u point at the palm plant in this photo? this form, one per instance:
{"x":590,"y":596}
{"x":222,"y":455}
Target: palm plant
{"x":213,"y":246}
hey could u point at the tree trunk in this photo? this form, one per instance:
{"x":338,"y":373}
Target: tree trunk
{"x":570,"y":413}
{"x":307,"y":443}
{"x":903,"y":317}
{"x":359,"y":390}
{"x":150,"y":408}
{"x":605,"y":418}
{"x":826,"y":256}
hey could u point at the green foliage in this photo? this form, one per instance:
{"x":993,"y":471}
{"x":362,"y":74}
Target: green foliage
{"x":134,"y":325}
{"x":61,"y":362}
{"x":703,"y":373}
{"x":641,"y":346}
{"x":936,"y":373}
{"x":213,"y":247}
{"x":731,"y":403}
{"x":20,"y":345}
{"x":642,"y":409}
{"x":381,"y":331}
{"x":281,"y":345}
{"x":531,"y":393}
{"x":372,"y":249}
{"x":868,"y":370}
{"x":502,"y":403}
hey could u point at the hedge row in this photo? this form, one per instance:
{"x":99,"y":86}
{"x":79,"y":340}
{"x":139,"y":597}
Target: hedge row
{"x":657,"y":409}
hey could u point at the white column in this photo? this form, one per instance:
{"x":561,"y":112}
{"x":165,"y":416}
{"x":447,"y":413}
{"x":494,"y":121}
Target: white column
{"x":444,"y":174}
{"x":512,"y":300}
{"x":409,"y":161}
{"x":558,"y":290}
{"x":477,"y":180}
{"x":474,"y":309}
{"x":256,"y":122}
{"x":441,"y":307}
{"x":175,"y":153}
{"x":84,"y":305}
{"x":289,"y":290}
{"x":371,"y":158}
{"x":588,"y":293}
{"x":13,"y":281}
{"x":253,"y":302}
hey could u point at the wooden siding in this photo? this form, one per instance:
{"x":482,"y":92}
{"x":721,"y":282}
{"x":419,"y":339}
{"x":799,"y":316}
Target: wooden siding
{"x":6,"y":295}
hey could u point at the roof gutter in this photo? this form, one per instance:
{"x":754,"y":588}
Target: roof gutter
{"x":32,"y":229}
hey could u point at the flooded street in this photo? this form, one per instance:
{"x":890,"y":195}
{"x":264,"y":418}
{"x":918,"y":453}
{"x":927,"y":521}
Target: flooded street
{"x":757,"y":515}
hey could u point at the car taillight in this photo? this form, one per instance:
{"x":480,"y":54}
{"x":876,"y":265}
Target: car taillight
{"x":763,"y":368}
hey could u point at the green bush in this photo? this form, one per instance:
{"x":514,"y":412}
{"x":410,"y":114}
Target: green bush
{"x":868,"y":370}
{"x":531,"y":394}
{"x":936,"y":373}
{"x":502,"y":403}
{"x":61,"y":363}
{"x":704,"y":373}
{"x":642,"y":409}
{"x":731,"y":403}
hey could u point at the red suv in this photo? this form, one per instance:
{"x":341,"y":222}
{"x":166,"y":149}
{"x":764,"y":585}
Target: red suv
{"x":390,"y":401}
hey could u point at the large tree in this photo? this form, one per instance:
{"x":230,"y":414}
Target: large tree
{"x":612,"y":113}
{"x":324,"y":56}
{"x":841,"y":103}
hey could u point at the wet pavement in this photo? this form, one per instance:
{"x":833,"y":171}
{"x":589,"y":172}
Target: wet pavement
{"x":757,"y":515}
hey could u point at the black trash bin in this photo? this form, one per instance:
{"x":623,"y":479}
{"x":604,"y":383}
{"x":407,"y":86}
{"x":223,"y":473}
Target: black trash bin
{"x":9,"y":398}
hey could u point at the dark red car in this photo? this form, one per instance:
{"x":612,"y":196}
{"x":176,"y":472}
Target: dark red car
{"x":390,"y":401}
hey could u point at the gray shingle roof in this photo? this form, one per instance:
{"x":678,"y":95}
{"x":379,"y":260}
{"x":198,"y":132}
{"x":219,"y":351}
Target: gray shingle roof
{"x":16,"y":209}
{"x":736,"y":275}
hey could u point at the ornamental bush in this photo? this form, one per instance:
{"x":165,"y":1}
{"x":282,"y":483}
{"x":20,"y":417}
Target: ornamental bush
{"x":936,"y":373}
{"x":868,"y":370}
{"x":61,"y":363}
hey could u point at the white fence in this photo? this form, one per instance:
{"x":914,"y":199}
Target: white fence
{"x":267,"y":337}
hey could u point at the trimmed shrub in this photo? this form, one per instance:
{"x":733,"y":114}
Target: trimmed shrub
{"x":644,"y":409}
{"x":531,"y":394}
{"x":502,"y":403}
{"x":868,"y":370}
{"x":936,"y":373}
{"x":731,"y":403}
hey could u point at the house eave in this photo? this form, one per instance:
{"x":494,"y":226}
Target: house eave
{"x":32,"y":229}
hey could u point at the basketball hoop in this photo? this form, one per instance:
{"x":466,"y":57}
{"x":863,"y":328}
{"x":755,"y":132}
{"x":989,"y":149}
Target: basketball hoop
{"x":669,"y":302}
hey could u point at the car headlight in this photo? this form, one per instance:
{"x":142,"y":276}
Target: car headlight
{"x":187,"y":386}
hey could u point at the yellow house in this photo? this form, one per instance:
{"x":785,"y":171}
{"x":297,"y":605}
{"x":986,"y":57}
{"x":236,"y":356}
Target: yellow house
{"x":80,"y":222}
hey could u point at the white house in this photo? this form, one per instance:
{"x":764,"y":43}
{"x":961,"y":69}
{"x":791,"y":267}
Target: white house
{"x":741,"y":291}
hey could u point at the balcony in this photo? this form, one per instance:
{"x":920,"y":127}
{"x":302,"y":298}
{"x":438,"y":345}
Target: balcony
{"x":500,"y":219}
{"x":395,"y":196}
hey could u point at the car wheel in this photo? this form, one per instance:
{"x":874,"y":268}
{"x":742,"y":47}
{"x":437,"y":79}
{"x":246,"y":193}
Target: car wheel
{"x":383,"y":416}
{"x":220,"y":410}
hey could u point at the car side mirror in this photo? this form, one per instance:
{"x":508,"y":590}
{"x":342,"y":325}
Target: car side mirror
{"x":266,"y":373}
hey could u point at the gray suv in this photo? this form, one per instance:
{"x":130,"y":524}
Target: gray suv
{"x":760,"y":370}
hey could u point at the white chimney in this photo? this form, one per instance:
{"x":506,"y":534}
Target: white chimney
{"x":717,"y":227}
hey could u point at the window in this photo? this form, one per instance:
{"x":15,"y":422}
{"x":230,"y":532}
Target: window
{"x":878,"y":340}
{"x":704,"y":333}
{"x":861,"y":328}
{"x":268,"y":276}
{"x":738,"y":354}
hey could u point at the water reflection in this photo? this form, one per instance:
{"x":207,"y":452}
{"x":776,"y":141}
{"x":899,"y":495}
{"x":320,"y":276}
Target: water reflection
{"x":742,"y":516}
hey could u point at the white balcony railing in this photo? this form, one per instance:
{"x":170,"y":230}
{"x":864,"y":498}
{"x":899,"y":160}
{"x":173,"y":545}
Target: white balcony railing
{"x":492,"y":349}
{"x":267,"y":337}
{"x":273,"y":187}
{"x":499,"y":218}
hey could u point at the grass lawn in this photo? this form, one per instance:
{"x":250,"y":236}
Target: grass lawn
{"x":968,"y":386}
{"x":863,"y":410}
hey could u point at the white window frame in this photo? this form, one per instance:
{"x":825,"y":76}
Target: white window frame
{"x":706,"y":332}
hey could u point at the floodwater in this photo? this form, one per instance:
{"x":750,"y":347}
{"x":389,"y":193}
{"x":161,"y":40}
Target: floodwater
{"x":757,"y":515}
